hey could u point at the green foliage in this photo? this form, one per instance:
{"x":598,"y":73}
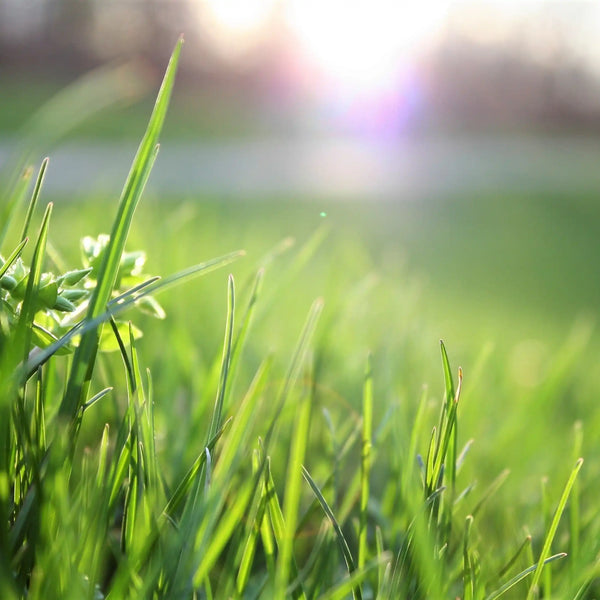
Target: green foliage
{"x":301,"y":478}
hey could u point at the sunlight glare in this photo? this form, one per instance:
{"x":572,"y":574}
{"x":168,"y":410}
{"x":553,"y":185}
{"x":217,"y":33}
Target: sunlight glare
{"x":361,"y":44}
{"x":235,"y":26}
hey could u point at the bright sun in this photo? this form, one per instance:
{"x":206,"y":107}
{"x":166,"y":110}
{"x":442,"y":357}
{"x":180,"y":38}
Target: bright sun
{"x":361,"y":43}
{"x":357,"y":44}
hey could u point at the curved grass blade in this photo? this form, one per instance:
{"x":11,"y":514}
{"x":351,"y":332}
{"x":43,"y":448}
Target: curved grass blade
{"x":342,"y":589}
{"x":13,"y":256}
{"x":345,"y":549}
{"x":186,"y":483}
{"x":84,"y":359}
{"x":553,"y":527}
{"x":517,"y":578}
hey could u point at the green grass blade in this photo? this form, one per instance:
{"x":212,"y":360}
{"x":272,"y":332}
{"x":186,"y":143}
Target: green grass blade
{"x":468,"y":567}
{"x":553,"y":527}
{"x":222,"y":534}
{"x":575,"y":504}
{"x":185,"y":485}
{"x":242,"y":421}
{"x":16,"y":193}
{"x":353,"y":581}
{"x":517,"y":578}
{"x":365,"y":463}
{"x":34,"y":198}
{"x":513,"y":559}
{"x":278,"y":526}
{"x":28,"y":308}
{"x":215,"y":423}
{"x":13,"y":256}
{"x":293,"y":490}
{"x":84,"y":358}
{"x":341,"y":539}
{"x":295,"y":365}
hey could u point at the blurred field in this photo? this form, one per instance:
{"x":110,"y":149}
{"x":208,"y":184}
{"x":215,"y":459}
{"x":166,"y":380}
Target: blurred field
{"x":508,"y":282}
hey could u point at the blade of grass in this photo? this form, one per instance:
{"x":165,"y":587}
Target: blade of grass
{"x":295,"y":366}
{"x":341,"y":539}
{"x":34,"y":198}
{"x":553,"y":527}
{"x":13,"y":256}
{"x":365,"y":463}
{"x":28,"y":308}
{"x":293,"y":490}
{"x":215,"y":423}
{"x":517,"y":578}
{"x":346,"y":586}
{"x":278,"y":527}
{"x":83,"y":361}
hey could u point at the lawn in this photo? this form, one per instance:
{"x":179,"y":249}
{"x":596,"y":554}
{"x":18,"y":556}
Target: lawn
{"x":324,"y":349}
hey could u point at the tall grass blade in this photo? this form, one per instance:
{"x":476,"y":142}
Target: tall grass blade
{"x":14,"y":197}
{"x":341,"y":539}
{"x":553,"y":527}
{"x":278,"y":526}
{"x":83,"y":361}
{"x":293,"y":490}
{"x":34,"y":198}
{"x":365,"y":463}
{"x":215,"y":423}
{"x":29,"y":306}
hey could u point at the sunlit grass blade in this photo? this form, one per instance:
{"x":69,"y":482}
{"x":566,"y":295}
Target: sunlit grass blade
{"x":12,"y":257}
{"x":15,"y":193}
{"x":221,"y":534}
{"x":469,"y":584}
{"x":278,"y":527}
{"x":295,"y":365}
{"x":29,"y":306}
{"x":341,"y":539}
{"x":293,"y":488}
{"x":522,"y":575}
{"x":84,"y":358}
{"x":250,"y":544}
{"x":185,"y":485}
{"x":365,"y":464}
{"x":354,"y":580}
{"x":215,"y":423}
{"x":553,"y":527}
{"x":240,"y":338}
{"x":95,"y":398}
{"x":574,"y":505}
{"x":34,"y":198}
{"x":242,"y":421}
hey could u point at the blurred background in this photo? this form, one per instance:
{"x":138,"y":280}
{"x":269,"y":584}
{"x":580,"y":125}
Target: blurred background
{"x":454,"y":145}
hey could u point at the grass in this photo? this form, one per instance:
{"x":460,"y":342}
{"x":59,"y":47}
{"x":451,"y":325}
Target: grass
{"x":281,"y":443}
